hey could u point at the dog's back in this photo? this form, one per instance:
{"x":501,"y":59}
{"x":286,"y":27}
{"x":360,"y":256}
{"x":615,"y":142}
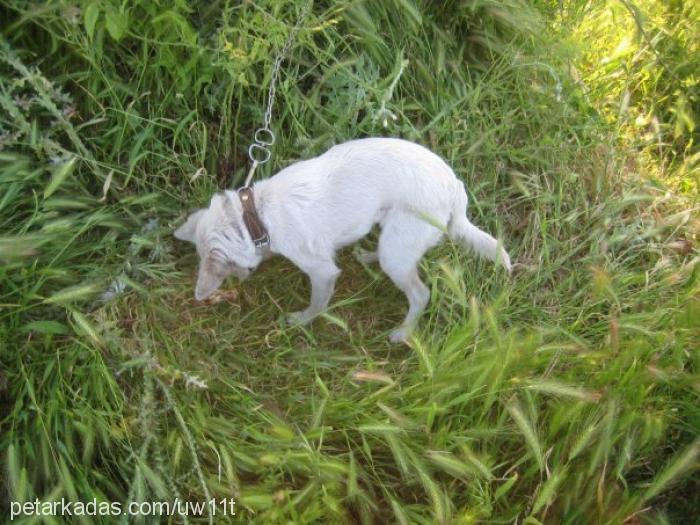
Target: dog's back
{"x":353,"y":186}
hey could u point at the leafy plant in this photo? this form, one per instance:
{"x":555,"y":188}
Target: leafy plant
{"x":565,"y":395}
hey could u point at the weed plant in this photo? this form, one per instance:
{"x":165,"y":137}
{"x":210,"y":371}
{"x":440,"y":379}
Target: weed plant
{"x":567,"y":393}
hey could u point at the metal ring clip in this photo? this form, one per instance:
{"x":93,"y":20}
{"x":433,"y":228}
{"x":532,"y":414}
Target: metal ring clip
{"x":259,"y":154}
{"x":264,"y":137}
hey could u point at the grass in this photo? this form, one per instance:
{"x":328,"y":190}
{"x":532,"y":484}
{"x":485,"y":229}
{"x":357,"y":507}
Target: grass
{"x":566,"y":394}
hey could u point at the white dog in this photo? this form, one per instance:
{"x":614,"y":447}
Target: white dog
{"x":314,"y":207}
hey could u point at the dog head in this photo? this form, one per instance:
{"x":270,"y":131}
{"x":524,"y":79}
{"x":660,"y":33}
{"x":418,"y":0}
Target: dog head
{"x":223,"y":244}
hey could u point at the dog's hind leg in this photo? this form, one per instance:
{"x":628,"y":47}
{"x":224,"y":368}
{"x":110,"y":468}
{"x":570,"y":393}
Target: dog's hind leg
{"x":322,"y":274}
{"x":404,"y":240}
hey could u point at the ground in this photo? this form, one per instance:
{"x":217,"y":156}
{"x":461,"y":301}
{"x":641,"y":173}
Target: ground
{"x":565,"y":393}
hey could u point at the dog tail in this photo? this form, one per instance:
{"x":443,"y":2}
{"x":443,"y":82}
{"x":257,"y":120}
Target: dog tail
{"x":465,"y":233}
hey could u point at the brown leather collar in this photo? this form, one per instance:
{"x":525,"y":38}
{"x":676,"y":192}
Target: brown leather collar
{"x":252,"y":221}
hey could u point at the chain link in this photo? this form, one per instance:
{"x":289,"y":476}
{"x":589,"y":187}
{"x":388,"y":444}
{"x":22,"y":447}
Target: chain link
{"x":263,"y":138}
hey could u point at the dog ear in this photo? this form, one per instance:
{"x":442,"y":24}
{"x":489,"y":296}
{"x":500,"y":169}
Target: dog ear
{"x":211,"y":275}
{"x":187,"y":231}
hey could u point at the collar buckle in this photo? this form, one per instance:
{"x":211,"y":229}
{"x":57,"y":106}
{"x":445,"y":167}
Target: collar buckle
{"x":262,"y":242}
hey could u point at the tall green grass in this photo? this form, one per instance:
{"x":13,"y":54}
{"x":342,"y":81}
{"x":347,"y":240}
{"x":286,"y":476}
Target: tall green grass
{"x":567,"y":394}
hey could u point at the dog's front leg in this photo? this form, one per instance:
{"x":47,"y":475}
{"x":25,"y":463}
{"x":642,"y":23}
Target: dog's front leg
{"x":322,"y":274}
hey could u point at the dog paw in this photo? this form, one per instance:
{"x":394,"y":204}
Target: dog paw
{"x":299,"y":318}
{"x":400,"y":335}
{"x":366,"y":256}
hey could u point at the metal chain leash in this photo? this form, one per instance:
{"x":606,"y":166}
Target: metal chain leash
{"x":263,"y":138}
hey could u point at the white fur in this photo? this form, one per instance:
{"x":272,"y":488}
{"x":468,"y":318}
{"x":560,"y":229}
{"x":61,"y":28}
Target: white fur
{"x":314,"y":207}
